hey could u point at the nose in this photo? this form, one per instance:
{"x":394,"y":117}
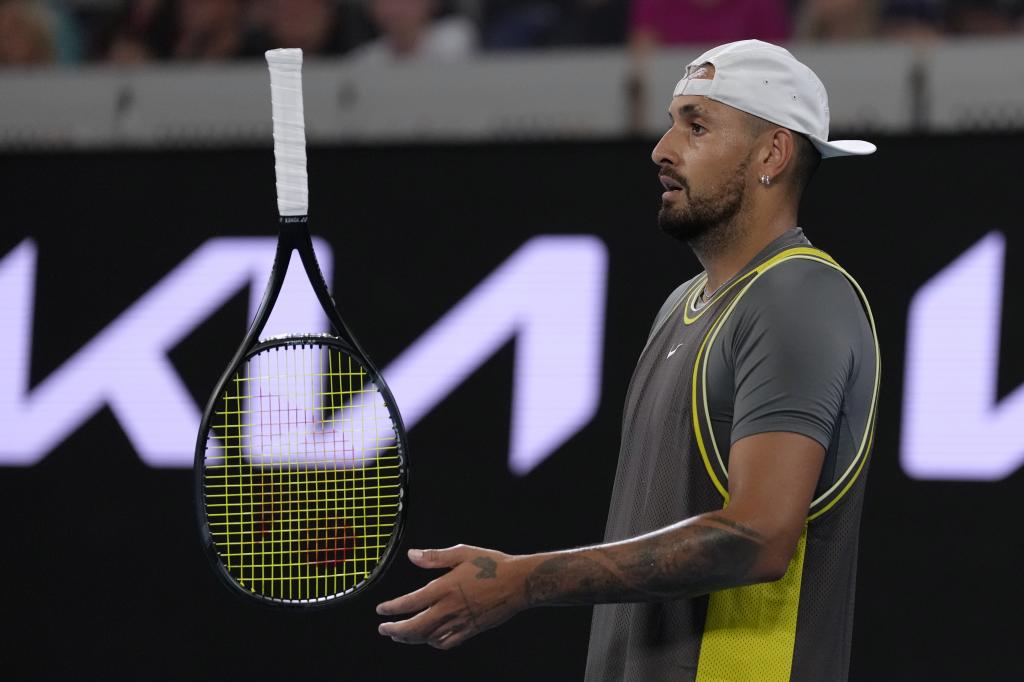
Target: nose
{"x":662,"y":153}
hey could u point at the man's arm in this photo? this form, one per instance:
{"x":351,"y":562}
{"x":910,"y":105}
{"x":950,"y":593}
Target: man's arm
{"x":772,"y":477}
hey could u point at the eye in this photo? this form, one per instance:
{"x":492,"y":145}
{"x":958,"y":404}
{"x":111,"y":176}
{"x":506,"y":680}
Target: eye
{"x":697,"y":129}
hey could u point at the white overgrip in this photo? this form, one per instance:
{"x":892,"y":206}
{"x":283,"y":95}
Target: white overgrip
{"x":289,"y":131}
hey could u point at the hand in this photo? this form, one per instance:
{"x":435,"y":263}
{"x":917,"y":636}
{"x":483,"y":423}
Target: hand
{"x":483,"y":590}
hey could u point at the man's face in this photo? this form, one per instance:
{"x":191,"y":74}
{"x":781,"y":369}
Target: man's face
{"x":703,"y":164}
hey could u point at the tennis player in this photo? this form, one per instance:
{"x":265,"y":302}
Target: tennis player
{"x":731,"y":543}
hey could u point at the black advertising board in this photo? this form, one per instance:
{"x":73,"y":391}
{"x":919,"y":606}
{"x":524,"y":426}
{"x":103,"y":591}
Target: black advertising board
{"x":483,"y":252}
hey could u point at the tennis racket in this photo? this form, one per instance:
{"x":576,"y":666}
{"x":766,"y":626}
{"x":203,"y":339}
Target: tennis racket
{"x":301,"y":466}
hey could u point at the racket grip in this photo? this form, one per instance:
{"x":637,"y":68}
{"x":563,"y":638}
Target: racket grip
{"x":289,"y":131}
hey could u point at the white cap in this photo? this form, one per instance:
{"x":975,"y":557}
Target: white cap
{"x":767,"y":81}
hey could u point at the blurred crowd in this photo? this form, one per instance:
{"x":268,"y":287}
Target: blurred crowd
{"x":137,"y":31}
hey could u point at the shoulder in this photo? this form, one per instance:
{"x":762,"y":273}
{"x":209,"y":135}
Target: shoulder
{"x":801,"y":296}
{"x":802,"y":284}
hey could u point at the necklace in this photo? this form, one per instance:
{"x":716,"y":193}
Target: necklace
{"x":705,"y":295}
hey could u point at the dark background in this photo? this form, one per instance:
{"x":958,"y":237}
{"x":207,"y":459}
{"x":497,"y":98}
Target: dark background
{"x":102,"y":565}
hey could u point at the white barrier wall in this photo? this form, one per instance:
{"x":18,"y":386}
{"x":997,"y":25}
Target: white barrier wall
{"x":565,"y":94}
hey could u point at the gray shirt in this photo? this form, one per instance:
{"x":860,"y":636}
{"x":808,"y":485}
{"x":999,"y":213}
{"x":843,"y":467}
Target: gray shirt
{"x":796,"y":355}
{"x":785,"y":345}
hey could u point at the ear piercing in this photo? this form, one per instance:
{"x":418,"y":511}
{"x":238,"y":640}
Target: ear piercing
{"x":766,"y":180}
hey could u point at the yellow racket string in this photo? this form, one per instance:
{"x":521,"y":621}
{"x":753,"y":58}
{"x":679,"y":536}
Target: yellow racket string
{"x":303,"y":473}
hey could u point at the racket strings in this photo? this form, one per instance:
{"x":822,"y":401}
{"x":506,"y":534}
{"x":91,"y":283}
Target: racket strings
{"x":303,"y":473}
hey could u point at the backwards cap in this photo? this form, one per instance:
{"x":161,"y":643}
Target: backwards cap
{"x":767,"y":81}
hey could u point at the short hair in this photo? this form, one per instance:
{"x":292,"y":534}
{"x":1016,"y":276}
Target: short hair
{"x":806,"y":156}
{"x":805,"y":162}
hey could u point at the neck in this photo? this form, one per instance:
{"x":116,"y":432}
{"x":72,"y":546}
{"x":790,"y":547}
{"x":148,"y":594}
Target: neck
{"x":724,"y":250}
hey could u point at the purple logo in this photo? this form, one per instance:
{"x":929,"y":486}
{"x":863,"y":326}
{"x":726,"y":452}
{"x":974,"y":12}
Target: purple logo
{"x":953,"y":426}
{"x":549,"y":295}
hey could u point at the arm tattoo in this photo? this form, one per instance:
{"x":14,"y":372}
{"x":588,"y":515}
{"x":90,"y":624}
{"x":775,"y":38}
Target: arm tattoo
{"x":488,"y":567}
{"x":679,"y":562}
{"x":570,"y":579}
{"x":735,"y":525}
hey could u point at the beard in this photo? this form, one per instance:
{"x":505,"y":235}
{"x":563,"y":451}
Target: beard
{"x":706,"y":221}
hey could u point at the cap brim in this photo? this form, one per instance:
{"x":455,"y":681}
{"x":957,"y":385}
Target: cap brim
{"x":843,"y":147}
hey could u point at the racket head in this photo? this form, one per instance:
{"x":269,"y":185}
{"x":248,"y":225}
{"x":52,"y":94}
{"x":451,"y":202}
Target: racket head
{"x":301,"y":473}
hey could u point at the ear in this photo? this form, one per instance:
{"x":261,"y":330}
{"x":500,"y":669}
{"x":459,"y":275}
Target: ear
{"x":777,"y":154}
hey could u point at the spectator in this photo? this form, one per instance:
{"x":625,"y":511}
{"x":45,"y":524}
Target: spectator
{"x":593,"y":22}
{"x":674,"y":22}
{"x":513,"y":24}
{"x":838,"y":20}
{"x":143,"y":32}
{"x":912,"y":20}
{"x":316,"y":26}
{"x":982,"y":17}
{"x":26,"y":33}
{"x":65,"y":30}
{"x":534,"y":23}
{"x":410,"y":31}
{"x":210,"y":29}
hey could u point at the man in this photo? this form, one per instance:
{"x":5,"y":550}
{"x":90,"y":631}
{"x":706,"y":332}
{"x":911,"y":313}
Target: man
{"x":731,"y":544}
{"x":409,"y":31}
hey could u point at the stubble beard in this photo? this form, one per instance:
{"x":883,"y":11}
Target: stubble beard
{"x":708,"y":223}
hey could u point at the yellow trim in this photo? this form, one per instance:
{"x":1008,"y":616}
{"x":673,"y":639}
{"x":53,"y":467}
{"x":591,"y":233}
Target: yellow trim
{"x":696,"y":428}
{"x":869,"y":428}
{"x":857,"y":463}
{"x":757,"y":272}
{"x":662,"y":320}
{"x":687,"y":299}
{"x":750,"y":632}
{"x":849,"y":484}
{"x":687,"y":318}
{"x":718,"y":327}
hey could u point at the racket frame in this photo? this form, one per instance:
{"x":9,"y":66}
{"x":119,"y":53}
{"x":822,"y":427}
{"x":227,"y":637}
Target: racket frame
{"x":294,"y":236}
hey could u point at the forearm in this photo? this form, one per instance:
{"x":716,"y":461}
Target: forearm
{"x":706,"y":553}
{"x":484,"y":588}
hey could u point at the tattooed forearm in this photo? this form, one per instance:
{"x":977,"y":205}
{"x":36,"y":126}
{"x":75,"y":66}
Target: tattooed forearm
{"x":680,"y":561}
{"x":572,"y":579}
{"x":735,"y":525}
{"x":690,"y":560}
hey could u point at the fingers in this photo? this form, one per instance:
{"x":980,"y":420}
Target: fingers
{"x":446,"y":632}
{"x":414,"y":601}
{"x":421,"y":627}
{"x":441,"y":624}
{"x":441,"y":558}
{"x":450,"y":636}
{"x":426,"y":595}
